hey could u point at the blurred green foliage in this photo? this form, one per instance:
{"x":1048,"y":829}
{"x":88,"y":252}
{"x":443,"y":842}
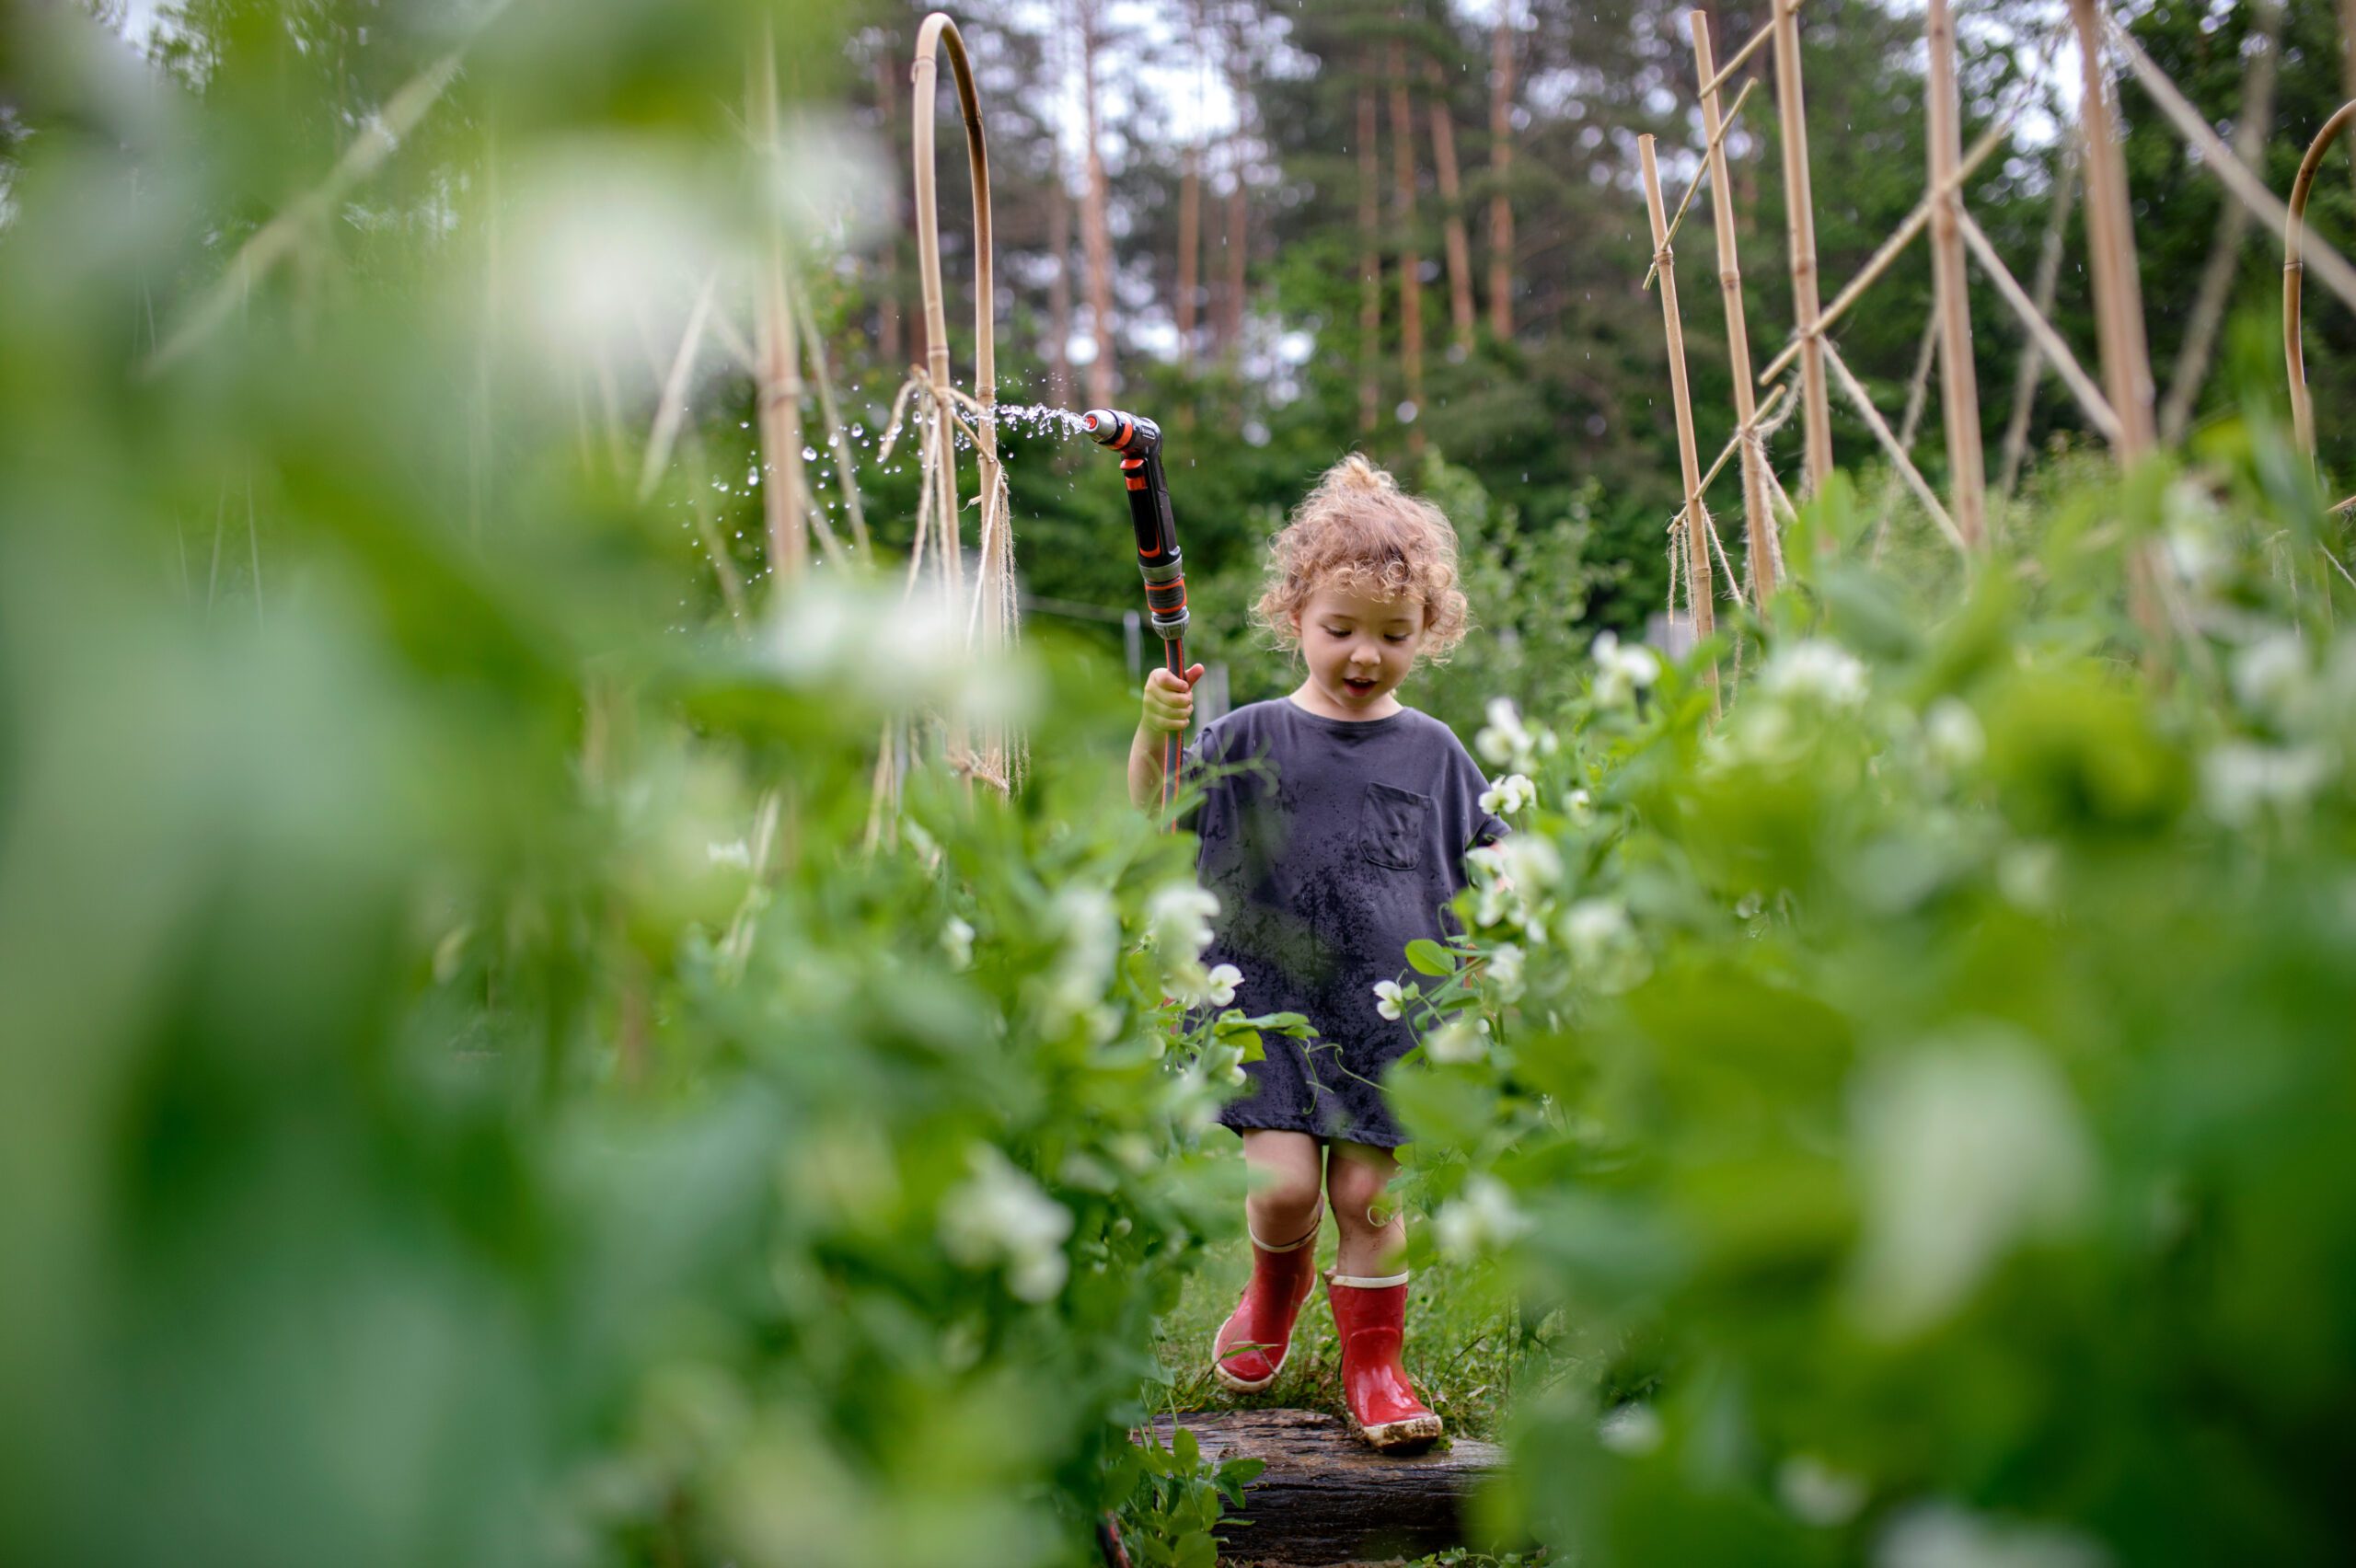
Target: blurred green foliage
{"x":1927,"y":1084}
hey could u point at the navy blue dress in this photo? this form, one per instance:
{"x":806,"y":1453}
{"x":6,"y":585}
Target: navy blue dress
{"x":1337,"y":844}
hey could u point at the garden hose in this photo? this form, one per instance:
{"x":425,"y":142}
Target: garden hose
{"x":1138,"y":441}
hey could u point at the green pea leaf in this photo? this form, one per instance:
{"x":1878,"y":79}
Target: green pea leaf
{"x":1430,"y":958}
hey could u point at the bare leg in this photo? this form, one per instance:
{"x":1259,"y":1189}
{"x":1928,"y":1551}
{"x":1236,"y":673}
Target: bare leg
{"x":1372,"y":1236}
{"x":1287,"y":1171}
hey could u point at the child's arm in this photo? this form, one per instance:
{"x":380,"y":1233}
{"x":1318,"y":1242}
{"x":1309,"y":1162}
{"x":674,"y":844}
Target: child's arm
{"x":1169,"y":709}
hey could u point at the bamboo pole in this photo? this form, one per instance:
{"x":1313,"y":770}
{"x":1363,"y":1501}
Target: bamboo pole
{"x":1697,"y":549}
{"x":1741,"y":57}
{"x":1865,"y":410}
{"x":2251,"y":126}
{"x":2294,"y":353}
{"x":831,"y":411}
{"x":1756,"y":522}
{"x":2218,"y":158}
{"x":781,"y":376}
{"x":1815,"y":410}
{"x":2118,"y":303}
{"x":991,"y":622}
{"x":2050,"y":344}
{"x":2049,"y":275}
{"x":1693,"y":187}
{"x":1958,"y":386}
{"x":2118,"y":307}
{"x":1879,"y":261}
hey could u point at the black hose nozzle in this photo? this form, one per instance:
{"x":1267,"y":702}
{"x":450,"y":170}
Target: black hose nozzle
{"x":1138,"y":441}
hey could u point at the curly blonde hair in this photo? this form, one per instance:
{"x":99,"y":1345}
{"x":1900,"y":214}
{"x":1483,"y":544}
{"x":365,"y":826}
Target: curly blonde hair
{"x":1359,"y":533}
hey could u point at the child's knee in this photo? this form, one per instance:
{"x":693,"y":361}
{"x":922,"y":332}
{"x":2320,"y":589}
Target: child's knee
{"x":1357,"y":1188}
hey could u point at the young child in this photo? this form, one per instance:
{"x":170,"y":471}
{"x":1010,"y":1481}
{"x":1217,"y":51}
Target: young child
{"x":1346,"y":843}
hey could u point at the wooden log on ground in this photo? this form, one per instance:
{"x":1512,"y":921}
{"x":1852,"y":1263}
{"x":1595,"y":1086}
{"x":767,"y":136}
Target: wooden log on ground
{"x":1327,"y":1498}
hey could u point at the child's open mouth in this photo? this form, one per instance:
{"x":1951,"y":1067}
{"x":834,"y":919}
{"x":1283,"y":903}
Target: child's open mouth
{"x":1358,"y":684}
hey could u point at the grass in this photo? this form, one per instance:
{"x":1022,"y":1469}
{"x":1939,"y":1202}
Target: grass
{"x":1465,"y":1343}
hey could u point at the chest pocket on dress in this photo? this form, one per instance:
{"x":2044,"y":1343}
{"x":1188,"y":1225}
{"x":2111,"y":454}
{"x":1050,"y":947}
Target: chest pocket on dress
{"x":1390,"y":826}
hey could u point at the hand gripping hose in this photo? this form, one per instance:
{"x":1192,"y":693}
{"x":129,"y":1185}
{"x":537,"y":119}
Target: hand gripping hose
{"x":1138,"y":441}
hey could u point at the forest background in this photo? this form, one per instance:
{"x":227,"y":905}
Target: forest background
{"x":1418,"y":231}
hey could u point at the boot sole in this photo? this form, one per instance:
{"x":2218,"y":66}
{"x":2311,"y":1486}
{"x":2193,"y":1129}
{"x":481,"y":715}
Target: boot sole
{"x":1250,"y":1385}
{"x":1412,"y":1436}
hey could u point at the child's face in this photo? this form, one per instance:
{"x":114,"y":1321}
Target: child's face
{"x":1358,"y":650}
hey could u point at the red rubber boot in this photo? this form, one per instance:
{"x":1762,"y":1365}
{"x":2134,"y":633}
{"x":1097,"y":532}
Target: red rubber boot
{"x":1371,"y":1318}
{"x":1251,"y":1346}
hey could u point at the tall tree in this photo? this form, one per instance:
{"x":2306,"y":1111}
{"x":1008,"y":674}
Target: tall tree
{"x":1451,"y":200}
{"x":1190,"y":245}
{"x":1369,"y":266}
{"x":1059,"y":289}
{"x":1411,"y":261}
{"x":1500,"y":177}
{"x":1095,"y":222}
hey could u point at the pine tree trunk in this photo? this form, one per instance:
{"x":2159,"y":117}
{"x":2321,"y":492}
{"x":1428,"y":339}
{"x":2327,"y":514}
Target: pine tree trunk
{"x":1095,"y":228}
{"x":1451,"y":199}
{"x":1059,"y":288}
{"x":1238,"y":255}
{"x":1411,"y":261}
{"x":1369,"y":269}
{"x":1190,"y":245}
{"x":1500,"y":168}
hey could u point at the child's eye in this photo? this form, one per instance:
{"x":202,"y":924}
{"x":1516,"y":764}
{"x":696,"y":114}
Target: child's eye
{"x":1395,"y":637}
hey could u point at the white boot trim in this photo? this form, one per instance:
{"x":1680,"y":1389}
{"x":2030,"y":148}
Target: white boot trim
{"x":1363,"y":1283}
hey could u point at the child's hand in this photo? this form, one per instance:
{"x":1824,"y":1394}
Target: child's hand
{"x":1169,"y":699}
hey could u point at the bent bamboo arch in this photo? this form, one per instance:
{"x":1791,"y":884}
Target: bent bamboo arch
{"x":992,"y":616}
{"x":2303,"y":408}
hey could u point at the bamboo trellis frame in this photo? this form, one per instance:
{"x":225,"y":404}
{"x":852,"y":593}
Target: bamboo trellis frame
{"x":1758,"y":551}
{"x":2294,"y":352}
{"x":992,"y":617}
{"x":1697,"y":552}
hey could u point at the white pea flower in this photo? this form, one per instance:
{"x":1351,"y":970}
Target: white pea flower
{"x":1533,"y":862}
{"x":1603,"y":945}
{"x":1593,"y":926}
{"x":735,"y":852}
{"x":1963,"y":1149}
{"x":999,"y":1215}
{"x":1631,"y":1429}
{"x":1389,"y":998}
{"x":1505,"y":739}
{"x":1194,"y":985}
{"x":1581,"y":805}
{"x":1816,"y":1493}
{"x":1178,"y":919}
{"x":958,"y":941}
{"x":1817,"y":670}
{"x":1508,"y":794}
{"x":1092,"y":933}
{"x":1455,"y":1040}
{"x":2241,"y":781}
{"x":1505,"y":970}
{"x":1941,"y":1534}
{"x":1481,"y":1219}
{"x":1621,"y":673}
{"x":1953,"y":733}
{"x":2269,"y":676}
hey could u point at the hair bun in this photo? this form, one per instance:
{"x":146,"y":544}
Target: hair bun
{"x":1354,"y":472}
